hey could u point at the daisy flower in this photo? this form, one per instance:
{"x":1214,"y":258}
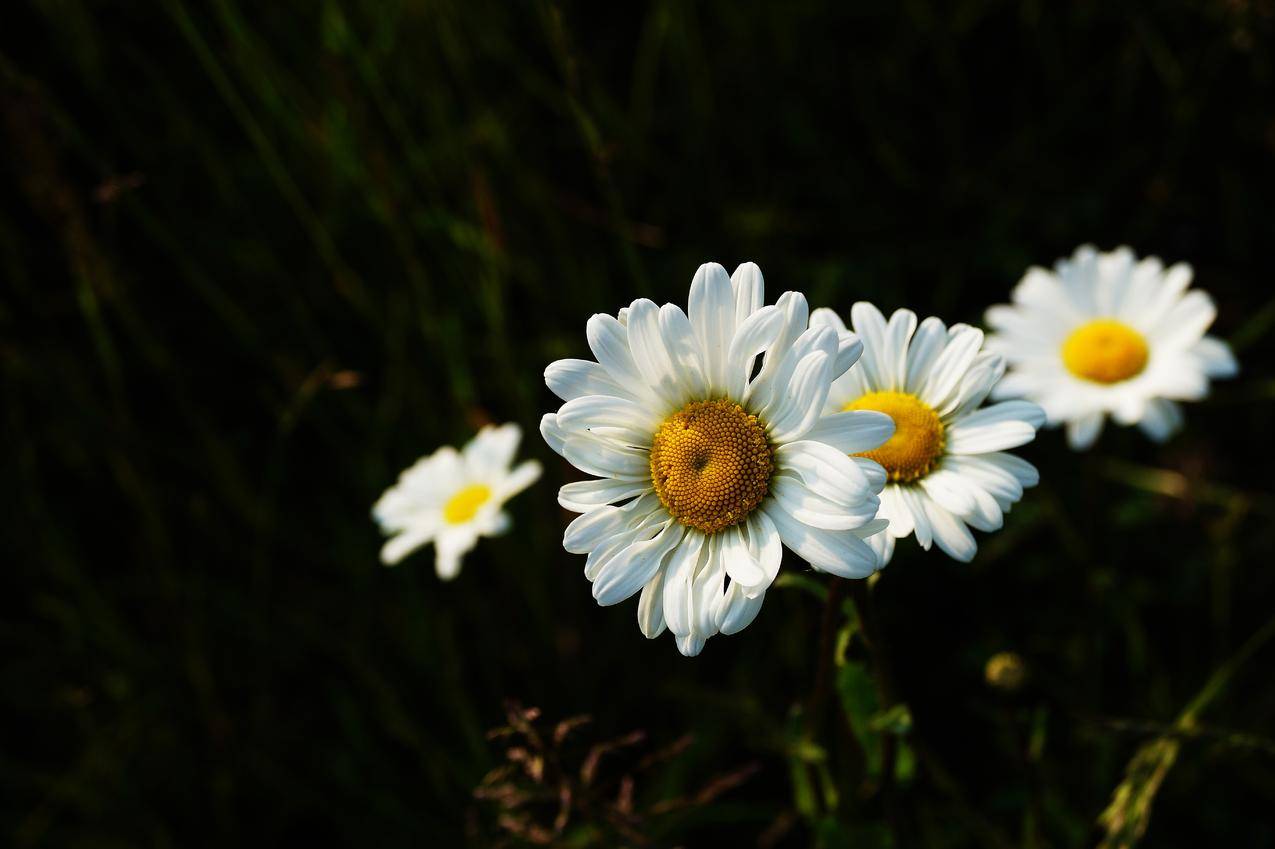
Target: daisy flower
{"x":452,"y":498}
{"x":707,"y":464}
{"x":1105,"y":333}
{"x":947,"y":460}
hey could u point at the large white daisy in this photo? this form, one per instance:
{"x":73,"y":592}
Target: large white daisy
{"x":706,"y":464}
{"x":947,"y":460}
{"x":1105,"y":333}
{"x":452,"y":498}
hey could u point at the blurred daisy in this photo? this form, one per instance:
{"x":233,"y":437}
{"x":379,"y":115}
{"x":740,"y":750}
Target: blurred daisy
{"x":947,"y":459}
{"x":452,"y":498}
{"x":1104,"y":334}
{"x":706,"y":466}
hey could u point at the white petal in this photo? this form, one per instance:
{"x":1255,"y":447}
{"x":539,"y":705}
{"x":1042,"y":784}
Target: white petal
{"x":646,"y":342}
{"x":765,"y":544}
{"x":963,"y":343}
{"x":739,"y":562}
{"x":950,"y":533}
{"x":632,"y":568}
{"x":1161,"y":419}
{"x":802,"y":399}
{"x":893,"y":360}
{"x":684,"y":350}
{"x":609,"y":342}
{"x":1083,"y":430}
{"x":784,"y":352}
{"x":524,"y":475}
{"x":650,"y":610}
{"x":754,"y":335}
{"x":869,"y":326}
{"x":679,"y":573}
{"x":995,"y":428}
{"x":947,"y":490}
{"x":824,"y":317}
{"x":589,"y":530}
{"x":570,"y":379}
{"x":750,"y":290}
{"x":608,"y":415}
{"x":1215,"y":357}
{"x":553,"y":435}
{"x":913,"y":500}
{"x":706,"y":587}
{"x":927,"y":343}
{"x":605,"y":459}
{"x":492,"y":449}
{"x":837,"y":552}
{"x":583,"y":496}
{"x":894,"y":508}
{"x":449,"y":548}
{"x":399,"y":546}
{"x":690,"y":646}
{"x":852,"y":431}
{"x":711,"y":308}
{"x":883,"y":547}
{"x":827,"y":471}
{"x":817,"y":511}
{"x":736,"y":611}
{"x":1186,"y":322}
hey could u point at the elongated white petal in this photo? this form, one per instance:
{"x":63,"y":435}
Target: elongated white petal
{"x":712,"y":314}
{"x":869,"y":325}
{"x":582,"y":496}
{"x":837,"y":552}
{"x":606,"y":459}
{"x":750,"y":290}
{"x":553,"y":435}
{"x":654,"y":363}
{"x":681,"y":568}
{"x":951,"y":364}
{"x":684,"y":351}
{"x":826,"y":470}
{"x":739,"y":562}
{"x":927,"y":344}
{"x":632,"y":568}
{"x":570,"y":379}
{"x":995,"y":428}
{"x":650,"y":610}
{"x":609,"y":342}
{"x":852,"y":431}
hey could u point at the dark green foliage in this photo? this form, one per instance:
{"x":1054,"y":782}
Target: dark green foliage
{"x":257,"y":257}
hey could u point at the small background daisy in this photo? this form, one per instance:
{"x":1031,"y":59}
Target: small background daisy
{"x":452,"y":498}
{"x":1106,"y":334}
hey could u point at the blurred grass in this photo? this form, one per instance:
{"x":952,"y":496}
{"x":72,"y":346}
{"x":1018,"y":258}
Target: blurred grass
{"x":257,"y":258}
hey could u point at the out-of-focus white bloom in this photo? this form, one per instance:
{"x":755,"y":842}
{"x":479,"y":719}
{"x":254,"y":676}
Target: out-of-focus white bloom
{"x":452,"y":498}
{"x":947,"y":461}
{"x":705,"y":465}
{"x":1105,"y":333}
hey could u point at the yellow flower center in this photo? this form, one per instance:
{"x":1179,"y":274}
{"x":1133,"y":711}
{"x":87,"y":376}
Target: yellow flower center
{"x":463,"y":506}
{"x":917,"y":443}
{"x":1105,"y":351}
{"x":711,"y":464}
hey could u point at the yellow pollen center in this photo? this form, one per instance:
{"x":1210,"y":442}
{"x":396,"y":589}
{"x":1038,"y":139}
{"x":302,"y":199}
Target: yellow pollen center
{"x":1105,"y":351}
{"x":711,"y":464}
{"x":463,"y":506}
{"x":917,"y":443}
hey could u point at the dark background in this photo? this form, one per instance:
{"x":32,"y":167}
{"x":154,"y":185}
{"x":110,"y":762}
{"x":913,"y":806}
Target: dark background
{"x":257,"y":257}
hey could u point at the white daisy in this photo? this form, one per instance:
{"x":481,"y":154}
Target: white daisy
{"x":452,"y":498}
{"x":704,"y":464}
{"x":947,"y":460}
{"x":1105,"y":333}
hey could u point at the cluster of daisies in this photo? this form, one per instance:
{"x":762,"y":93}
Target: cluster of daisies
{"x":718,"y":435}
